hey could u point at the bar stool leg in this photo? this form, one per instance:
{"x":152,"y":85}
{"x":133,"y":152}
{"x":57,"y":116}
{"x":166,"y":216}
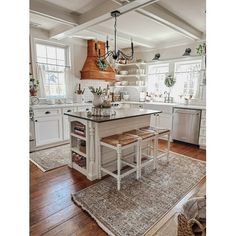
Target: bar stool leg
{"x":139,"y":157}
{"x":155,"y":145}
{"x":118,"y":165}
{"x":100,"y":163}
{"x":168,"y":148}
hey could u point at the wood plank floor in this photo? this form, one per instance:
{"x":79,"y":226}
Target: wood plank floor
{"x":51,"y":210}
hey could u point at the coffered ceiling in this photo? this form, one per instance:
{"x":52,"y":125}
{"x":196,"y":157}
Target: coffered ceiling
{"x":151,"y":23}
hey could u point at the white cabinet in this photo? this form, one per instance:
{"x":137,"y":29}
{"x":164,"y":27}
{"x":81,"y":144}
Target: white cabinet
{"x":164,"y":119}
{"x":48,"y":129}
{"x":202,"y":135}
{"x":52,"y":126}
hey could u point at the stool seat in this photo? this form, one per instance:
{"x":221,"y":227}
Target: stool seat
{"x":144,"y":134}
{"x":122,"y":139}
{"x":157,"y":130}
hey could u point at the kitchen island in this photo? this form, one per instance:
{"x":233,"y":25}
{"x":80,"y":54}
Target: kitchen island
{"x":86,"y":132}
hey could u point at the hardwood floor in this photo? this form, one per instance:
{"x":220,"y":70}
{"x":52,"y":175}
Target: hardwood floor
{"x":52,"y":211}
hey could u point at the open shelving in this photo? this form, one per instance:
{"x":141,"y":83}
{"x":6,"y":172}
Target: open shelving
{"x":79,"y":147}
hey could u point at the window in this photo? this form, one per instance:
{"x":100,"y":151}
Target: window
{"x":187,"y":75}
{"x":156,"y":77}
{"x":53,"y":60}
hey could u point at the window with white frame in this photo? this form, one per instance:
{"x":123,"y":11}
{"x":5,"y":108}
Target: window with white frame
{"x":156,"y":78}
{"x":53,"y":60}
{"x":187,"y":75}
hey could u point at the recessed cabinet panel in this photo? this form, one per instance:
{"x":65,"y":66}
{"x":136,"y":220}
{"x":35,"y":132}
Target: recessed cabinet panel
{"x":48,"y":130}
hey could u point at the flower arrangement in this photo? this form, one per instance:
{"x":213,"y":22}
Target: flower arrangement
{"x":97,"y":91}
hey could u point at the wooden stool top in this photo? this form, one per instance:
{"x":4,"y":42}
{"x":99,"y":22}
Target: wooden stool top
{"x":155,"y":129}
{"x":122,"y":139}
{"x":141,"y":133}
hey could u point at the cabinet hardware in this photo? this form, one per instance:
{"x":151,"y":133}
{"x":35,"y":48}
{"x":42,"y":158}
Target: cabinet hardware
{"x":36,"y":121}
{"x":47,"y":112}
{"x":68,"y":110}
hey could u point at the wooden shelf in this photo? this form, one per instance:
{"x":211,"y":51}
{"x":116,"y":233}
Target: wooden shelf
{"x":78,"y":136}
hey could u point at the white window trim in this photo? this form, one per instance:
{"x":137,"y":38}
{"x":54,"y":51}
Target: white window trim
{"x":48,"y":43}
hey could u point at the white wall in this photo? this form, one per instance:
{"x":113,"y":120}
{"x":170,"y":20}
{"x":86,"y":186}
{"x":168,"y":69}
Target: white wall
{"x":78,"y":50}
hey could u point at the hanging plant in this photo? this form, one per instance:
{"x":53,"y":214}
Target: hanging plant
{"x":101,"y":64}
{"x":169,"y":81}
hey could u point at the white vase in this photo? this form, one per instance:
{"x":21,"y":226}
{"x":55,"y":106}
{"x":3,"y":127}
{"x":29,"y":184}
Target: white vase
{"x":97,"y":100}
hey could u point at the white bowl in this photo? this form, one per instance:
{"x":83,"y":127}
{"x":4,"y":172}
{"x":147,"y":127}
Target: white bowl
{"x":123,"y":72}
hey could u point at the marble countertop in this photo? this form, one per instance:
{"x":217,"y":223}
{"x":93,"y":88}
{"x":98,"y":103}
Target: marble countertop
{"x":195,"y":106}
{"x":121,"y":113}
{"x":60,"y":105}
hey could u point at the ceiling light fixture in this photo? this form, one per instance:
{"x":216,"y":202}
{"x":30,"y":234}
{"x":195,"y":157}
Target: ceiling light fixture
{"x":116,"y":54}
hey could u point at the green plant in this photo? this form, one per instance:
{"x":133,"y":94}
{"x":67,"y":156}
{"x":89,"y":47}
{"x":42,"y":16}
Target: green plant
{"x":97,"y":91}
{"x":201,"y":49}
{"x":169,"y":81}
{"x":101,"y":63}
{"x":34,"y":84}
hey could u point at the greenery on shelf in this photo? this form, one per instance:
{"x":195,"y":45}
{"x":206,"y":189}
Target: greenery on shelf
{"x":201,"y":49}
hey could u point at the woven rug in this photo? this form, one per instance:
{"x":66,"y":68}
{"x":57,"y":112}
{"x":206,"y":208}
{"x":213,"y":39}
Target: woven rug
{"x":140,"y":204}
{"x":51,"y":158}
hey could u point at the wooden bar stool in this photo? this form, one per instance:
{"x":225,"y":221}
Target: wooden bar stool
{"x":119,"y":142}
{"x":160,"y":132}
{"x":147,"y":137}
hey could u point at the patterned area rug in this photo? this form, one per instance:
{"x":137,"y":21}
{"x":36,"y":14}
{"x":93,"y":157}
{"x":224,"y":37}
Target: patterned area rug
{"x":140,"y":204}
{"x":51,"y":158}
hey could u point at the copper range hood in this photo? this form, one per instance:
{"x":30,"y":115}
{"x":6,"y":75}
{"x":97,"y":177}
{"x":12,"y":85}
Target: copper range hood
{"x":90,"y":70}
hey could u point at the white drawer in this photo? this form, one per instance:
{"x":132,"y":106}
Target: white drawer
{"x":203,"y":113}
{"x":47,"y":112}
{"x":69,"y":109}
{"x":203,"y":122}
{"x":202,"y":140}
{"x":203,"y":132}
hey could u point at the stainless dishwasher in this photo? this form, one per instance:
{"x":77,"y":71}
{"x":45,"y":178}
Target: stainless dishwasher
{"x":186,"y":125}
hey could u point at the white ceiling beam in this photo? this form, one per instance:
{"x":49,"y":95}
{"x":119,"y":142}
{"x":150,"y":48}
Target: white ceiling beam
{"x":53,"y":12}
{"x":162,"y":16}
{"x":122,"y":36}
{"x":100,"y":14}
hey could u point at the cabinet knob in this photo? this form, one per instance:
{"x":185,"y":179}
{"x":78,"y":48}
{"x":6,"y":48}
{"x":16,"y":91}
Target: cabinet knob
{"x":36,"y":121}
{"x":69,"y":110}
{"x":47,"y":112}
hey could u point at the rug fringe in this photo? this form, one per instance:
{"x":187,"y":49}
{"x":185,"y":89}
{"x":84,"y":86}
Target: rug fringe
{"x":98,"y":222}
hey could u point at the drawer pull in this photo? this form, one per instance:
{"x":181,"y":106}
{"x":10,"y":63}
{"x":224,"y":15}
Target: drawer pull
{"x":47,"y":112}
{"x":69,"y":110}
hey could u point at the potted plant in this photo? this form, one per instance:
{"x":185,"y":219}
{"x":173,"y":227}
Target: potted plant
{"x":97,"y":95}
{"x":33,"y":87}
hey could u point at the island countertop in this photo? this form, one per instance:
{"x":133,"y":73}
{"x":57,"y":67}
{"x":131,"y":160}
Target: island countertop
{"x":119,"y":114}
